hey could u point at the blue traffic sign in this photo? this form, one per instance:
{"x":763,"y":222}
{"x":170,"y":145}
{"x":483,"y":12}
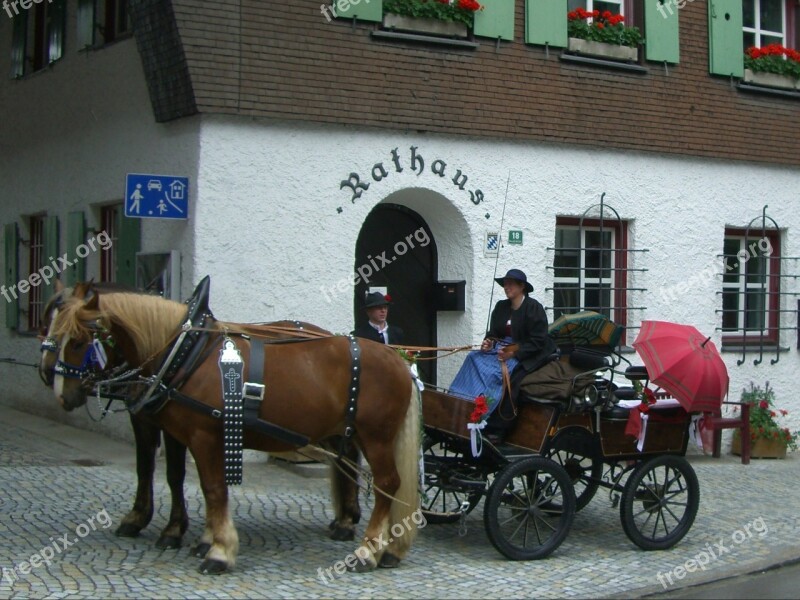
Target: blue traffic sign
{"x":156,"y":196}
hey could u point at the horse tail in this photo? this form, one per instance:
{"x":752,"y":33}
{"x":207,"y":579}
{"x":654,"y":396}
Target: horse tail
{"x":404,"y":511}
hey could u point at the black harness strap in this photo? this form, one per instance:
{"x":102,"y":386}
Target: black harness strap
{"x":231,"y":368}
{"x":254,"y":386}
{"x":352,"y":397}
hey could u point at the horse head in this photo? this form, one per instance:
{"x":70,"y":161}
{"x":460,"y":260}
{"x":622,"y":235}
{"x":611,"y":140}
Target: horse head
{"x":103,"y":332}
{"x":85,"y":348}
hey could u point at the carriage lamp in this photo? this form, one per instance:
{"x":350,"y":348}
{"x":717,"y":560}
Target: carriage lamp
{"x":590,"y":396}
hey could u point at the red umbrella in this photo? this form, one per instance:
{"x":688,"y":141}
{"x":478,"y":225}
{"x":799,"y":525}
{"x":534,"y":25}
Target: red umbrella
{"x":685,"y":363}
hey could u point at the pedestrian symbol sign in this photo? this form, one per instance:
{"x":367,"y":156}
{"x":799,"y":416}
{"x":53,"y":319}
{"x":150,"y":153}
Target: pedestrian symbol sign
{"x":156,"y":196}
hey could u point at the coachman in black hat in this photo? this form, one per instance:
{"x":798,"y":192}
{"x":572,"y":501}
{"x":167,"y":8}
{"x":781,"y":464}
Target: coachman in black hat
{"x":377,"y":329}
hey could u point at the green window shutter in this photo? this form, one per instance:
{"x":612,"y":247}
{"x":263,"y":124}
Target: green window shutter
{"x":366,"y":10}
{"x":129,"y":239}
{"x":18,"y":43}
{"x":496,"y":20}
{"x":85,"y":32}
{"x":56,"y":17}
{"x":546,"y":22}
{"x":50,"y":253}
{"x":11,"y":275}
{"x":725,"y":48}
{"x":661,"y":31}
{"x":76,"y":235}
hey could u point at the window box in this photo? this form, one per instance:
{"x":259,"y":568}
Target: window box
{"x":602,"y":50}
{"x":427,"y":26}
{"x":771,"y":80}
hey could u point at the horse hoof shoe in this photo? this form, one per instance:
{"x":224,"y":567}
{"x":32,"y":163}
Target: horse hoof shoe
{"x":389,"y":561}
{"x":211,"y":566}
{"x":128,"y":530}
{"x":201,"y":550}
{"x":169,"y":542}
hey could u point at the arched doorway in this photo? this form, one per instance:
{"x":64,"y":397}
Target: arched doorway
{"x":396,"y":251}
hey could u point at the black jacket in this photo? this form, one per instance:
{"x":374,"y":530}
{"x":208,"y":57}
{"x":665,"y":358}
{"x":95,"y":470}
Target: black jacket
{"x":528,"y":329}
{"x":369,"y":332}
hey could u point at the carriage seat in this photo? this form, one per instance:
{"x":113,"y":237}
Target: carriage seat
{"x":636,"y":373}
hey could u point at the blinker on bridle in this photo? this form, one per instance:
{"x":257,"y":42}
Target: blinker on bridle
{"x":94,"y":359}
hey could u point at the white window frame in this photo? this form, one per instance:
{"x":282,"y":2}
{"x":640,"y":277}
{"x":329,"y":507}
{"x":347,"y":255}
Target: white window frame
{"x":581,"y":282}
{"x":758,"y":32}
{"x":734,"y":266}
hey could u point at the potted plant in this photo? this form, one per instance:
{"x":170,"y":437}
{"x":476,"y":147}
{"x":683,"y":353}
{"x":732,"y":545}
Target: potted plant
{"x":772,"y":66}
{"x":437,"y":17}
{"x":767,"y":438}
{"x":602,"y":34}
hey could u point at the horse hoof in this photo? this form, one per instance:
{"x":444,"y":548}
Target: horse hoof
{"x":361,"y":567}
{"x":201,"y":550}
{"x":389,"y":561}
{"x":343,"y":534}
{"x":169,"y":542}
{"x":212,"y":566}
{"x":128,"y":530}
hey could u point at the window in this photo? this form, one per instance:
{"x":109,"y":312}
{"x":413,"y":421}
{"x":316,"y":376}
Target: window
{"x":615,"y":6}
{"x":109,"y":18}
{"x":38,"y":36}
{"x":590,"y":267}
{"x":751,"y":286}
{"x":763,"y":22}
{"x":109,"y":217}
{"x":35,"y":264}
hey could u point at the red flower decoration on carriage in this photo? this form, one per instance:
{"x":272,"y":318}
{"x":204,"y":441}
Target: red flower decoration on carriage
{"x":481,"y":408}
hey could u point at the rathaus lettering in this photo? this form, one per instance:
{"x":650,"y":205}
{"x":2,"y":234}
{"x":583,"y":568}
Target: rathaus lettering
{"x":417,"y":164}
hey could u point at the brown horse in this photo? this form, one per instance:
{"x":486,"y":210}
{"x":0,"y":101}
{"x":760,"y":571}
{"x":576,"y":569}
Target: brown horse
{"x":308,"y":386}
{"x":147,"y":437}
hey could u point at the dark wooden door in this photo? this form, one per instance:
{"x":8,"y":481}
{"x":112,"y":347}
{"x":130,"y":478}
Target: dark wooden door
{"x":396,"y":250}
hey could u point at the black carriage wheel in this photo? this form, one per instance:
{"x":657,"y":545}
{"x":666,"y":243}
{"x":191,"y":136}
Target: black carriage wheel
{"x":444,"y":495}
{"x":583,"y":469}
{"x":660,"y":502}
{"x":529,"y":509}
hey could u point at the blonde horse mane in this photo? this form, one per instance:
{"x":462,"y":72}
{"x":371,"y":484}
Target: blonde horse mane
{"x":151,"y":321}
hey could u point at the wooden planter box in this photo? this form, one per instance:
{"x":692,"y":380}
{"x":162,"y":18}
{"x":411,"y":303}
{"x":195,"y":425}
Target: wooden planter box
{"x":426,"y":26}
{"x":759,"y":448}
{"x":602,"y":50}
{"x":771,"y":80}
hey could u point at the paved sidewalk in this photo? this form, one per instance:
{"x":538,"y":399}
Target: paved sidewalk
{"x":55,"y":478}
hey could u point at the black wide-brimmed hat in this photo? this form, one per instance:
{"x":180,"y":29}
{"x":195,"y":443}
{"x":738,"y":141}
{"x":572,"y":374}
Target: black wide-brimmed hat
{"x":519,"y":276}
{"x":376,"y":299}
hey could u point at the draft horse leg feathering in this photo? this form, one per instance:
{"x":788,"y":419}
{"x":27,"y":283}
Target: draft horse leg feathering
{"x":308,"y":383}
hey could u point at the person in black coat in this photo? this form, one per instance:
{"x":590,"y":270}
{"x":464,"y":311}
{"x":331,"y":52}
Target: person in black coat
{"x":377,"y":329}
{"x":525,"y":320}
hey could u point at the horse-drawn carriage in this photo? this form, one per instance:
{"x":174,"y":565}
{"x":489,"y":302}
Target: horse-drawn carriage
{"x":559,"y":454}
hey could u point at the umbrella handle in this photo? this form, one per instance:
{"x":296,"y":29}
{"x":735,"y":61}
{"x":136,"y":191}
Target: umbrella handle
{"x":703,"y":345}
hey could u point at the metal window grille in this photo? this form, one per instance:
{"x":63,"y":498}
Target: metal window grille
{"x":592,"y":266}
{"x":36,"y":260}
{"x":753,"y":294}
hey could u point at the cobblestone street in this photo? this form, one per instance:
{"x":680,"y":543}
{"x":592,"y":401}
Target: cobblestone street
{"x":59,"y":481}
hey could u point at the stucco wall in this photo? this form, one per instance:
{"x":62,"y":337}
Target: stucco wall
{"x":270,"y":234}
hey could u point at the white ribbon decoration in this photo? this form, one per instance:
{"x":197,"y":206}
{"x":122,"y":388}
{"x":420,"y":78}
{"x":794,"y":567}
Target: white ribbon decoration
{"x":474,"y":435}
{"x":642,"y":433}
{"x":99,"y":353}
